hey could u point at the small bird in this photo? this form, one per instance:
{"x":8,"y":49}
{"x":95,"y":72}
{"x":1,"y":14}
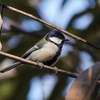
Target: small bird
{"x":47,"y":51}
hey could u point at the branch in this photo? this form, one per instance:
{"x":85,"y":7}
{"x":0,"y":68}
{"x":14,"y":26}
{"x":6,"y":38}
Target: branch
{"x":1,"y":22}
{"x":51,"y":25}
{"x":39,"y":66}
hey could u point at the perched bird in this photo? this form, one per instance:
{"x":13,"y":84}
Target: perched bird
{"x":47,"y":50}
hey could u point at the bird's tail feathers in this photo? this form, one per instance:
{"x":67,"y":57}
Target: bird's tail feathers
{"x":10,"y":67}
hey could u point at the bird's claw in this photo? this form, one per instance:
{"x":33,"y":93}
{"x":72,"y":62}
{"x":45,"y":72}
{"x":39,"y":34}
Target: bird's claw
{"x":40,"y":64}
{"x":56,"y":70}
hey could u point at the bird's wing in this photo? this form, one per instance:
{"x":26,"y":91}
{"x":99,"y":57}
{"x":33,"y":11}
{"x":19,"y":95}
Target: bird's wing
{"x":35,"y":47}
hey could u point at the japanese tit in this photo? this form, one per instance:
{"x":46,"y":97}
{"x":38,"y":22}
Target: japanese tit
{"x":46,"y":51}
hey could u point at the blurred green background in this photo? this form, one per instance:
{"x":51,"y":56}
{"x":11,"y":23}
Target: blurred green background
{"x":19,"y":33}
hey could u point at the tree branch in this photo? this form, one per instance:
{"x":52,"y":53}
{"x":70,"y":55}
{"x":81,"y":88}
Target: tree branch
{"x":39,"y":66}
{"x":1,"y":22}
{"x":53,"y":26}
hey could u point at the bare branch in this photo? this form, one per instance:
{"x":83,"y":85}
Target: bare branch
{"x":53,"y":26}
{"x":37,"y":65}
{"x":1,"y":22}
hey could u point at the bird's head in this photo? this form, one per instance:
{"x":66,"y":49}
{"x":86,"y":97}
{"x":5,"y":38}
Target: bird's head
{"x":56,"y":37}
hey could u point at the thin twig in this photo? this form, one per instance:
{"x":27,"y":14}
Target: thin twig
{"x":1,"y":22}
{"x":37,"y":65}
{"x":51,"y":25}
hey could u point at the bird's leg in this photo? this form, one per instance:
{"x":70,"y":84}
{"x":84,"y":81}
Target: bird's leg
{"x":56,"y":69}
{"x":40,"y":64}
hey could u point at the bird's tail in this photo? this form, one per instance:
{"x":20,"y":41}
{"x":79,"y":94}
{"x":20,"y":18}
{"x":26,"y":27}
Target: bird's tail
{"x":10,"y":67}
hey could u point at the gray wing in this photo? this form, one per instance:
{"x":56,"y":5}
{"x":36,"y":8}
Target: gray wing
{"x":34,"y":48}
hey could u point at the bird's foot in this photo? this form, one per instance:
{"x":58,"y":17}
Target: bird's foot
{"x":56,"y":70}
{"x":40,"y":64}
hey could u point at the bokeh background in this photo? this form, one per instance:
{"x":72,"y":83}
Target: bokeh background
{"x":19,"y":33}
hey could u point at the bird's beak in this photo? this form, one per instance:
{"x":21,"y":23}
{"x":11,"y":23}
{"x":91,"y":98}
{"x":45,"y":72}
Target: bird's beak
{"x":65,"y":40}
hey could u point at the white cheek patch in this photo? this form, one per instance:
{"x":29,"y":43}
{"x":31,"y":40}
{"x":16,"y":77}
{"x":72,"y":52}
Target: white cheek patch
{"x":55,"y":40}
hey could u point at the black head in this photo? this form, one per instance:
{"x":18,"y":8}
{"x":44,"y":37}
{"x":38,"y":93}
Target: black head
{"x":56,"y":37}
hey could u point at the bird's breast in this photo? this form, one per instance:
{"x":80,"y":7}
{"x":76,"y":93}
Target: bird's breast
{"x":47,"y":52}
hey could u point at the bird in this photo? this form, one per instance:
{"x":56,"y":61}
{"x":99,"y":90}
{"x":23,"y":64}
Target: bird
{"x":47,"y":51}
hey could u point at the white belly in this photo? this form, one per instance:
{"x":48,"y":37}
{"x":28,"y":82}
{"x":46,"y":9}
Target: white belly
{"x":46,"y":53}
